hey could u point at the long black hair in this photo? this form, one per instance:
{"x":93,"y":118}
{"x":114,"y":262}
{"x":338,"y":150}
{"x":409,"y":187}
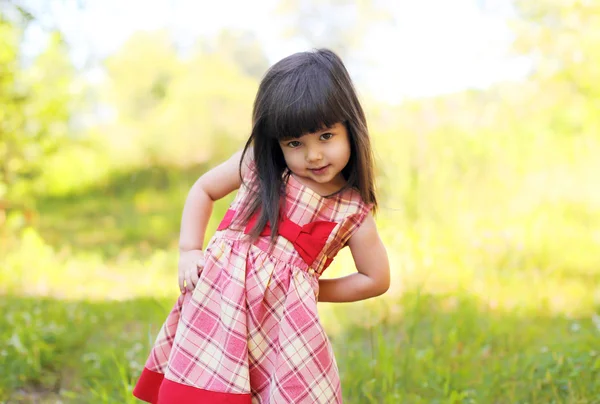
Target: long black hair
{"x":300,"y":94}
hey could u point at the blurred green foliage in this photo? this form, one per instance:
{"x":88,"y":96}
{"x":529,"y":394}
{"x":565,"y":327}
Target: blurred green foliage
{"x":490,"y":211}
{"x":34,"y":117}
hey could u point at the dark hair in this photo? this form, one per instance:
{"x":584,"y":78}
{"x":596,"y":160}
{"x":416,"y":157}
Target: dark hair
{"x":301,"y":94}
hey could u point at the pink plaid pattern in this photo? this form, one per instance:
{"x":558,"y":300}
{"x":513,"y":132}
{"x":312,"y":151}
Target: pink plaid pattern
{"x":250,"y":330}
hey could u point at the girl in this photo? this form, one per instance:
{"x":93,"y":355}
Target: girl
{"x":245,"y":328}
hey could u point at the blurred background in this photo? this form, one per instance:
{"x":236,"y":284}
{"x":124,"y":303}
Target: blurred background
{"x":485,"y":119}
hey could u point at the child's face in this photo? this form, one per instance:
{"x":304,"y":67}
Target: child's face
{"x":319,"y":157}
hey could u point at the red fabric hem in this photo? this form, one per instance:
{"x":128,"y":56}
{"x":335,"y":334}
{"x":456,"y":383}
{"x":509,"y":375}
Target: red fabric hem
{"x":172,"y":392}
{"x":153,"y":388}
{"x":147,"y":386}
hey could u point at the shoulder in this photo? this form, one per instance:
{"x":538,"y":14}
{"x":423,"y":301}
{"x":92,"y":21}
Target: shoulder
{"x":247,"y":169}
{"x":222,"y":179}
{"x":355,"y":207}
{"x":365,"y":232}
{"x":350,"y":211}
{"x":245,"y":160}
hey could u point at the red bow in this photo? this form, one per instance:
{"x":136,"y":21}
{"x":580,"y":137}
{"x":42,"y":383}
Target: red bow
{"x":308,"y":240}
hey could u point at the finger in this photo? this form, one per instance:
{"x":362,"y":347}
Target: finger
{"x":200,"y":265}
{"x":188,"y":279}
{"x":194,"y":276}
{"x":181,"y":281}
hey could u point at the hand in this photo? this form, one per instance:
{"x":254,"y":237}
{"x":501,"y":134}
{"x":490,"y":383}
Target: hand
{"x":190,"y":265}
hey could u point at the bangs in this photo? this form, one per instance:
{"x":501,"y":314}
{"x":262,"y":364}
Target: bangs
{"x":306,"y":103}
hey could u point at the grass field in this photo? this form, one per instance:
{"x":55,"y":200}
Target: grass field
{"x":440,"y":350}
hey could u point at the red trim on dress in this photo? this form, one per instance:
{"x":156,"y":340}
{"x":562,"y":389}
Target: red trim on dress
{"x":147,"y":387}
{"x":153,"y":388}
{"x":176,"y":393}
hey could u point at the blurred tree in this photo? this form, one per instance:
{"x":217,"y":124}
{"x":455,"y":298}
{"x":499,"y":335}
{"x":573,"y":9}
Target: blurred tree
{"x":35,"y":109}
{"x":141,"y":73}
{"x":11,"y":102}
{"x":174,"y":111}
{"x":563,"y":41}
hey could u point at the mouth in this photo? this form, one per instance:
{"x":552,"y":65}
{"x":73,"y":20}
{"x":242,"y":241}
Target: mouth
{"x":319,"y":170}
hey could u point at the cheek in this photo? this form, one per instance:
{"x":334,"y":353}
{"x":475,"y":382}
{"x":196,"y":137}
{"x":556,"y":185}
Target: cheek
{"x":290,"y":158}
{"x":345,"y":151}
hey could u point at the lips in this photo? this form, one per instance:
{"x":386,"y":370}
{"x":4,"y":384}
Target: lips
{"x":319,"y":170}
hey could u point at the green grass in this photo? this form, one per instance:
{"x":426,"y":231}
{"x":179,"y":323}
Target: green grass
{"x":443,"y":349}
{"x":450,"y":349}
{"x":132,"y":212}
{"x":75,"y":351}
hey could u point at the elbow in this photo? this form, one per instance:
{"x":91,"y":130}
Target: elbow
{"x":384,"y":288}
{"x":381,"y":287}
{"x":386,"y":281}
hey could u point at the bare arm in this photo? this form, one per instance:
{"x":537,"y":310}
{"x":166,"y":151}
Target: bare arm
{"x":373,"y":276}
{"x":212,"y":186}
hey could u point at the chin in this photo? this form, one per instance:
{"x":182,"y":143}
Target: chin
{"x":323,"y":180}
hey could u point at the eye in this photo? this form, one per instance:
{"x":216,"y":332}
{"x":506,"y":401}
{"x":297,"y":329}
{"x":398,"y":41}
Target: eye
{"x":293,"y":144}
{"x":326,"y":136}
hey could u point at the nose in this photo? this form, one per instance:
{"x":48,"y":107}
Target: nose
{"x":313,"y":154}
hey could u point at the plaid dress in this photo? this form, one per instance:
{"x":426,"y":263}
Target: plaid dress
{"x":250,"y":331}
